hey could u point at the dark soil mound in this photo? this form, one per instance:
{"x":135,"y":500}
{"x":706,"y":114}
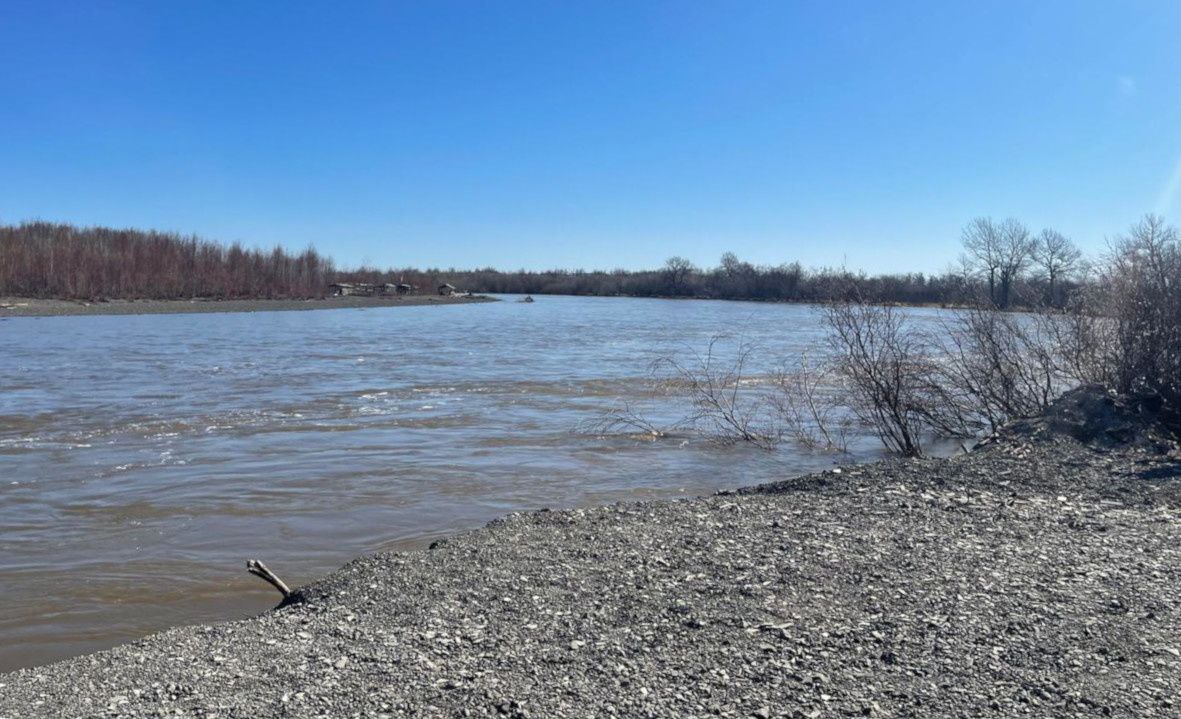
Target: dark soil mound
{"x":1098,"y":418}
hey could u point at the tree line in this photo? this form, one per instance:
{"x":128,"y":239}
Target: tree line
{"x":54,"y":260}
{"x":1002,"y":260}
{"x":680,"y":279}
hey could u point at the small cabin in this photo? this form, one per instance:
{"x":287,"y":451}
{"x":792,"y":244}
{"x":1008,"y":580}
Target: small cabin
{"x":363,"y":289}
{"x":446,"y":289}
{"x":399,"y":289}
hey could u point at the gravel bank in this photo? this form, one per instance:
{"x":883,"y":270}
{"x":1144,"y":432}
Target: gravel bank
{"x":31,"y":307}
{"x":1030,"y":578}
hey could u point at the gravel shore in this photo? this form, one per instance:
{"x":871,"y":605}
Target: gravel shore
{"x":32,"y":307}
{"x":1034,"y":577}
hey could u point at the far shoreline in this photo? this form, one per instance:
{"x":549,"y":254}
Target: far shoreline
{"x":38,"y":307}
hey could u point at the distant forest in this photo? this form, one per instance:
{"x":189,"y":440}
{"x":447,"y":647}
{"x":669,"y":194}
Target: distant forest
{"x":50,"y":260}
{"x":42,"y":259}
{"x":732,"y":280}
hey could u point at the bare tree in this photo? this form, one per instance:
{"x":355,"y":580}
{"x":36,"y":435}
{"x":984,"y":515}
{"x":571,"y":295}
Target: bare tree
{"x":1015,"y":251}
{"x":1057,"y":258}
{"x":42,"y":259}
{"x":999,"y":252}
{"x":677,"y":271}
{"x":731,"y":266}
{"x":981,"y":239}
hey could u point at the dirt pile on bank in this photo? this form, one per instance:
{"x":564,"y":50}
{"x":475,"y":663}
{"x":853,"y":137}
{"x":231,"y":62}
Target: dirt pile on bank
{"x":1098,"y":418}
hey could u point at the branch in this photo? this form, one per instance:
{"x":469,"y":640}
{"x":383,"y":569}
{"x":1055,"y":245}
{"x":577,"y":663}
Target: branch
{"x":259,"y":569}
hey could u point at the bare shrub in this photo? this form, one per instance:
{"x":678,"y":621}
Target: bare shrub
{"x":627,"y":419}
{"x":724,"y":405}
{"x":981,"y":369}
{"x":1141,"y":296}
{"x":1123,"y":329}
{"x":809,"y":409}
{"x":1082,"y":338}
{"x":722,"y":409}
{"x":886,"y":368}
{"x":1120,"y":328}
{"x":995,"y":366}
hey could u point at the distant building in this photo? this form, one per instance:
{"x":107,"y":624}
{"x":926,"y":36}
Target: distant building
{"x":363,"y":289}
{"x":446,"y":289}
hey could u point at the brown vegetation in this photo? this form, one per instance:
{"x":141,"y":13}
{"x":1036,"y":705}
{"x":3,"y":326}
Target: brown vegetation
{"x":42,"y":259}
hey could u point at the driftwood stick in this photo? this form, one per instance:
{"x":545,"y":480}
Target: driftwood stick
{"x":259,"y":569}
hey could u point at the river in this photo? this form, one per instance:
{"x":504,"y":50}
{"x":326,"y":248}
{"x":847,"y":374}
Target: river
{"x":143,"y":459}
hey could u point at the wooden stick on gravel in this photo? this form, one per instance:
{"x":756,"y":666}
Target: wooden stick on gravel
{"x":259,"y":569}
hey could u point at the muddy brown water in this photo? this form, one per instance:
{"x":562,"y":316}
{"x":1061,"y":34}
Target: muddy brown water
{"x":143,"y":459}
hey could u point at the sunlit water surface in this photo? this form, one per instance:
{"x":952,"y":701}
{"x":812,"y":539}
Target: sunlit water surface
{"x":143,"y":459}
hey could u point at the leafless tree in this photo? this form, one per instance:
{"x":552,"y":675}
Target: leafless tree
{"x":1016,"y":249}
{"x":44,"y":259}
{"x":677,"y":271}
{"x":731,"y":266}
{"x":1056,"y":257}
{"x":981,"y":239}
{"x":999,"y":252}
{"x":54,"y":260}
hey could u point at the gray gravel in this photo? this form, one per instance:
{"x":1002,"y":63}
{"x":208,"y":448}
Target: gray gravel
{"x":1030,"y":578}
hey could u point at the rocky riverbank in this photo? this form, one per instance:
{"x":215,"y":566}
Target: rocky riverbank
{"x":33,"y":307}
{"x":1038,"y":576}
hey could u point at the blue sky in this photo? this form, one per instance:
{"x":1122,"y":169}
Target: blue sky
{"x":593,"y":134}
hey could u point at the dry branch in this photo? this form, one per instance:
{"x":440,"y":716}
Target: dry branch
{"x":259,"y":569}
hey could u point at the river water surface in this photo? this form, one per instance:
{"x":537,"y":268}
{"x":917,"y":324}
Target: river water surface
{"x":143,"y":459}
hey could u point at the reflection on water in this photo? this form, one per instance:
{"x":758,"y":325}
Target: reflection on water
{"x":144,"y":459}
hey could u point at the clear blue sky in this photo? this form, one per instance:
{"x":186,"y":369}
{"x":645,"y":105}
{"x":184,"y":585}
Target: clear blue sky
{"x":565,"y":134}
